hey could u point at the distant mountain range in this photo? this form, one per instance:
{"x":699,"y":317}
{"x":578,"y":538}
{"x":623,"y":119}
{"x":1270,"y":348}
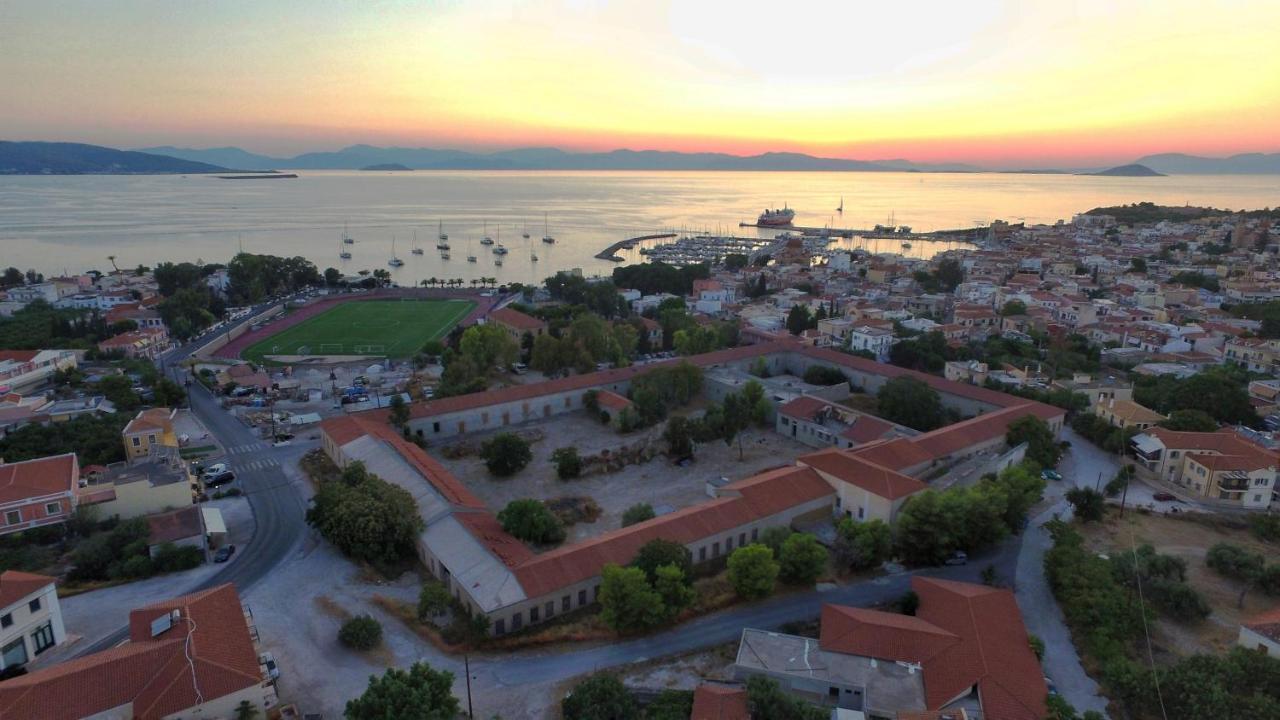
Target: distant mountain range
{"x":1246,"y":164}
{"x":75,"y":158}
{"x":57,"y":158}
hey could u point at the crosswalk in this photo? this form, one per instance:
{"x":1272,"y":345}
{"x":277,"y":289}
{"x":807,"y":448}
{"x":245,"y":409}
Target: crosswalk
{"x":258,"y":465}
{"x":246,"y":448}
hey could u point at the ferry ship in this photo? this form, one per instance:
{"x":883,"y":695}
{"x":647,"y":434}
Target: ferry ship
{"x":776,"y":218}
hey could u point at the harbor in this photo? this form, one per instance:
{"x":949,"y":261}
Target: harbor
{"x":611,"y":253}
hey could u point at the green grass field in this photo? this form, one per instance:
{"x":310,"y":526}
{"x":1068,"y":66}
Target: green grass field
{"x":391,"y":328}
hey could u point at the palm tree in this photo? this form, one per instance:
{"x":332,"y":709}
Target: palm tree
{"x":473,"y":283}
{"x":112,"y":258}
{"x":432,"y":282}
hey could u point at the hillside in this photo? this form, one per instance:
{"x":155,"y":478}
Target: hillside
{"x":54,"y":158}
{"x":1134,"y":170}
{"x":395,"y":167}
{"x":1244,"y":164}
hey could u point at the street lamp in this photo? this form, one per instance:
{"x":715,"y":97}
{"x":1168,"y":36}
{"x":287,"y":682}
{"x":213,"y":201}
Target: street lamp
{"x":333,"y":388}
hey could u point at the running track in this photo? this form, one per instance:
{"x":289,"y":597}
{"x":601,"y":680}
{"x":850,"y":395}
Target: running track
{"x":233,"y":349}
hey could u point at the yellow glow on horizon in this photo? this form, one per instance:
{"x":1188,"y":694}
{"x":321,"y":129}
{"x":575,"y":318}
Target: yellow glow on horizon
{"x":925,"y":80}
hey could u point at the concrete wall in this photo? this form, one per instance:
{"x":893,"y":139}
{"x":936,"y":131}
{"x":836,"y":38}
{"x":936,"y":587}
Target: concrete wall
{"x":26,"y":622}
{"x":218,"y":342}
{"x":260,"y":696}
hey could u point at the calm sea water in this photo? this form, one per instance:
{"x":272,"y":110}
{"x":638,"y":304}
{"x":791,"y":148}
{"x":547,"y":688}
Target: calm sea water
{"x":73,"y":223}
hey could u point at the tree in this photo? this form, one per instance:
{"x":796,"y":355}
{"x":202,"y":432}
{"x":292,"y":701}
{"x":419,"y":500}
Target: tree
{"x":774,"y":537}
{"x":246,"y":711}
{"x":628,"y":602}
{"x":678,"y":437}
{"x":1089,"y":504}
{"x":908,"y":401}
{"x":671,"y":584}
{"x":765,"y":699}
{"x":419,"y":693}
{"x":361,"y":632}
{"x":824,"y":375}
{"x":1013,"y":307}
{"x":489,"y":346}
{"x":366,"y":517}
{"x":637,"y":513}
{"x":1190,"y":420}
{"x":658,"y":552}
{"x":802,"y":560}
{"x":798,"y":319}
{"x":862,"y":545}
{"x":568,"y":462}
{"x":1042,"y":447}
{"x":1138,"y":265}
{"x":332,"y":276}
{"x":753,"y":571}
{"x":670,"y":705}
{"x":505,"y":454}
{"x":399,"y":411}
{"x":531,"y":521}
{"x":600,"y":697}
{"x":169,"y":393}
{"x":433,"y":600}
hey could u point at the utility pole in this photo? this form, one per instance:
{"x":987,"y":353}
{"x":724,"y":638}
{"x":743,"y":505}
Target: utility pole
{"x":466,"y":664}
{"x":1124,"y":494}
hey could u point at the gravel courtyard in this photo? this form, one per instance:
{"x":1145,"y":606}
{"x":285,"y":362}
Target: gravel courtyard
{"x":658,"y":482}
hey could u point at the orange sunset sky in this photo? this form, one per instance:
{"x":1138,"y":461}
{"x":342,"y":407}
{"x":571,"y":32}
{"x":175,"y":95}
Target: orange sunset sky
{"x":1031,"y":83}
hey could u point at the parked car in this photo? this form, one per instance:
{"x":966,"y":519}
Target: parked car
{"x":1165,"y":497}
{"x":960,"y":557}
{"x":221,"y":478}
{"x":268,"y":661}
{"x":224,"y":553}
{"x":1053,"y":475}
{"x":214,"y":469}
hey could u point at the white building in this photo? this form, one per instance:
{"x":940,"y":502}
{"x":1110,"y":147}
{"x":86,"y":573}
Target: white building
{"x":30,"y":617}
{"x":876,"y":340}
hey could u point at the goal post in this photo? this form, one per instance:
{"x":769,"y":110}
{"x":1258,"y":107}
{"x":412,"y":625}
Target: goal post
{"x":331,"y":348}
{"x":370,"y":349}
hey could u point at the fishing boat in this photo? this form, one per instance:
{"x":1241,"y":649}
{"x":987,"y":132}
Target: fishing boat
{"x":546,"y":233}
{"x":345,"y":255}
{"x":347,"y":239}
{"x":525,"y":234}
{"x":416,"y":250}
{"x":443,"y":235}
{"x":486,"y":240}
{"x":394,"y":261}
{"x":776,"y":218}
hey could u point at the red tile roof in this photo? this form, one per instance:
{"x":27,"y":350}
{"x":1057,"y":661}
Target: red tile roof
{"x":15,"y":585}
{"x":37,"y":478}
{"x":804,"y":407}
{"x":516,"y":319}
{"x":867,"y":428}
{"x":851,"y":467}
{"x":151,"y":673}
{"x":962,"y":635}
{"x":20,"y":356}
{"x":897,"y":454}
{"x":612,"y":400}
{"x":1266,"y":624}
{"x":719,"y":702}
{"x":175,"y":525}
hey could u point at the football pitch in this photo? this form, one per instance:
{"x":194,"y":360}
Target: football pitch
{"x":390,"y":328}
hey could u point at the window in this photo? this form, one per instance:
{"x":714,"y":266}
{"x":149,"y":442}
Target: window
{"x":742,"y":539}
{"x":517,"y":621}
{"x":565,"y":604}
{"x":435,"y":427}
{"x":13,"y":517}
{"x":595,"y":592}
{"x":6,"y":620}
{"x":582,"y":598}
{"x":500,"y":627}
{"x":728,"y":544}
{"x":43,"y":637}
{"x":151,"y":439}
{"x":15,"y":653}
{"x":715,"y":550}
{"x":53,"y":508}
{"x":755,"y":533}
{"x":34,"y":605}
{"x":137,"y":441}
{"x":702,"y":554}
{"x":533,"y":615}
{"x":551,"y":609}
{"x":861,"y":512}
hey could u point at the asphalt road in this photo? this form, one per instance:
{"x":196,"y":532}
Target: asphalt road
{"x":278,"y":507}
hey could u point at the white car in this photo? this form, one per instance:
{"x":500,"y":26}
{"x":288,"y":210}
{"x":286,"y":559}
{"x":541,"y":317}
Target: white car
{"x":268,"y":661}
{"x":215,"y":469}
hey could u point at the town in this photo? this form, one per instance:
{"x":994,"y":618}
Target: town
{"x":1030,"y":477}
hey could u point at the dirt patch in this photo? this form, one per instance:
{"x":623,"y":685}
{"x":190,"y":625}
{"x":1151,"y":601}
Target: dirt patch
{"x":1188,"y":537}
{"x":571,"y":510}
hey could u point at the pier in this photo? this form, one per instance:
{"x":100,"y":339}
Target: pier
{"x":874,"y":233}
{"x":610,"y":253}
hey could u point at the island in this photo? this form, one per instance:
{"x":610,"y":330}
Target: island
{"x":392,"y":167}
{"x":56,"y":158}
{"x":1134,"y":170}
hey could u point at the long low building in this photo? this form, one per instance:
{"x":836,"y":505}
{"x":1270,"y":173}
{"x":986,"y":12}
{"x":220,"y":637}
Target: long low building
{"x":496,"y":575}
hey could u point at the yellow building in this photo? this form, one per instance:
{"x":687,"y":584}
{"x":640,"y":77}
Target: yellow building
{"x":1126,"y":414}
{"x":148,"y":428}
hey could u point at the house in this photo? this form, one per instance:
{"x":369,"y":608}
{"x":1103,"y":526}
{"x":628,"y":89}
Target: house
{"x":823,"y":423}
{"x":1126,"y":414}
{"x":652,"y":332}
{"x":22,"y":370}
{"x":30,"y":617}
{"x":193,"y":656}
{"x":1262,"y":633}
{"x":1095,"y":389}
{"x":148,"y":429}
{"x":710,"y":296}
{"x":142,"y":343}
{"x":612,"y":404}
{"x":865,"y":490}
{"x":157,"y":482}
{"x":1220,"y":466}
{"x":517,"y":324}
{"x":184,"y":528}
{"x":965,"y":650}
{"x":967,"y":371}
{"x":875,"y":340}
{"x":39,"y":492}
{"x":713,"y":701}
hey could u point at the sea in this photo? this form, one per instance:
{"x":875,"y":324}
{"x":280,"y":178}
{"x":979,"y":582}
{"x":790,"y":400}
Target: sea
{"x":69,"y":224}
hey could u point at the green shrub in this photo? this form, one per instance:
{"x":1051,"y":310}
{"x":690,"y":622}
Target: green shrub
{"x":361,"y":632}
{"x":637,"y":513}
{"x":802,"y":561}
{"x":568,"y":463}
{"x":531,"y":521}
{"x":505,"y":454}
{"x":433,"y":600}
{"x":752,"y":571}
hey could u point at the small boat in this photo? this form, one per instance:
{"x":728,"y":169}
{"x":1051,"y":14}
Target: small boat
{"x":546,"y":233}
{"x":525,"y":234}
{"x":533,"y":257}
{"x":906,"y":246}
{"x":840,"y":208}
{"x":444,"y":256}
{"x":497,"y":261}
{"x":345,"y":255}
{"x":470,"y":257}
{"x":347,"y":239}
{"x":443,"y":235}
{"x":394,"y":261}
{"x":499,"y":249}
{"x":416,"y":250}
{"x":486,"y":240}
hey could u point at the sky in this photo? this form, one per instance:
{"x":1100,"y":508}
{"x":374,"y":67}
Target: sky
{"x":1030,"y":83}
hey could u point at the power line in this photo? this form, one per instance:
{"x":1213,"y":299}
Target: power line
{"x":1142,"y":606}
